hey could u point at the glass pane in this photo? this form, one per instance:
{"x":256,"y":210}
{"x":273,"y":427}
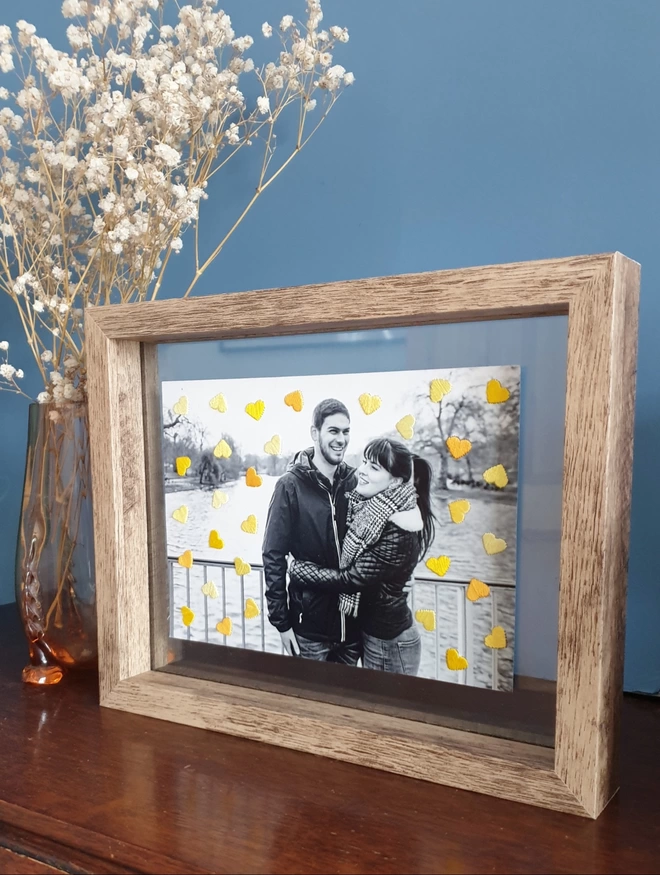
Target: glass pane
{"x":483,"y":405}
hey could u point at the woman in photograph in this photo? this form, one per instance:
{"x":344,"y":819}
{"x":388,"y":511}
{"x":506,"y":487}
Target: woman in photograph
{"x":390,"y":526}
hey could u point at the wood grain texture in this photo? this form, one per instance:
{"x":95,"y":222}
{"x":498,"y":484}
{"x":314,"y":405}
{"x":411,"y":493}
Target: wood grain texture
{"x":120,"y":518}
{"x":599,"y":293}
{"x":596,"y":507}
{"x":109,"y":791}
{"x":19,"y":864}
{"x":499,"y":292}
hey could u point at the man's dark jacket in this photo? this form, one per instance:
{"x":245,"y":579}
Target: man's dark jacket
{"x":307,"y":520}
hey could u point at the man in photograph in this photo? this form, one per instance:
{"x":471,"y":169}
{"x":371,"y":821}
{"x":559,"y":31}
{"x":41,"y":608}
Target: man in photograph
{"x":307,"y":521}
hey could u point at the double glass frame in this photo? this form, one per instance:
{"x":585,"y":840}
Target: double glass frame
{"x":554,"y":749}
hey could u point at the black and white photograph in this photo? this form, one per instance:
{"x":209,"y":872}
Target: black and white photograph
{"x":366,"y":519}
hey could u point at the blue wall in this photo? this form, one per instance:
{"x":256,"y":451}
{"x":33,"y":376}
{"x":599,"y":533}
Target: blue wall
{"x":476,"y":133}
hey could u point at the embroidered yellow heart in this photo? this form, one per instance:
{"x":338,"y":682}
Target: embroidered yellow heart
{"x":294,"y":400}
{"x":187,"y":616}
{"x":219,"y":498}
{"x":225,"y":626}
{"x":219,"y":403}
{"x":457,"y":447}
{"x":492,"y":544}
{"x":496,"y":393}
{"x":406,"y":426}
{"x":181,"y":406}
{"x":209,"y":589}
{"x":242,"y":568}
{"x":497,"y":639}
{"x":215,"y":540}
{"x":369,"y":403}
{"x":251,"y":609}
{"x":222,"y":450}
{"x":427,"y":619}
{"x":250,"y":525}
{"x":255,"y":409}
{"x":454,"y":661}
{"x":438,"y":565}
{"x":181,"y":514}
{"x":496,"y":476}
{"x":186,"y":559}
{"x":252,"y":478}
{"x":458,"y":509}
{"x":182,"y":465}
{"x":477,"y":589}
{"x":438,"y":389}
{"x":273,"y":446}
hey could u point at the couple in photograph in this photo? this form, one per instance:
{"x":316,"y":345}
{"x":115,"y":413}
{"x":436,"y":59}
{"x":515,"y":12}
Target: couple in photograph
{"x":341,"y":545}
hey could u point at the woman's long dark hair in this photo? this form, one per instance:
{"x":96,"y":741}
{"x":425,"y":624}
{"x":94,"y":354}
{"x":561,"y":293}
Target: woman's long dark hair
{"x":400,"y":462}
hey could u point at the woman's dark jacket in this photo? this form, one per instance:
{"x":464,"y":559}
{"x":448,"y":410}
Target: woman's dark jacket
{"x":381,"y":573}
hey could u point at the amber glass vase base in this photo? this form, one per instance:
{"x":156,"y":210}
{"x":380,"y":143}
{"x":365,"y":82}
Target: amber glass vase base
{"x":46,"y":675}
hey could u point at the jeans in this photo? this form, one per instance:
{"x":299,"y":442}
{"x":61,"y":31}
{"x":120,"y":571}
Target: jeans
{"x":400,"y":655}
{"x":330,"y":651}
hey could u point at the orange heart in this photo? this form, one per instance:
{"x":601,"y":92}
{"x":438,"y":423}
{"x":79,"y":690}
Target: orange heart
{"x":215,"y":540}
{"x":496,"y":393}
{"x":295,"y":400}
{"x":182,"y":465}
{"x":252,"y":478}
{"x":477,"y":589}
{"x":457,"y":447}
{"x":186,"y":559}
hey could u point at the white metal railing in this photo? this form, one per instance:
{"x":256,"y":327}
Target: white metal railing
{"x":464,"y":639}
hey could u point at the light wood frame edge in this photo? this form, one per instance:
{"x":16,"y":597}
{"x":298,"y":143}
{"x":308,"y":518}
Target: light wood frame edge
{"x":600,"y":294}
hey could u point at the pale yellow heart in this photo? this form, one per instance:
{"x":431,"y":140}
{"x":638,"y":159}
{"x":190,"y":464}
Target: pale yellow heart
{"x":438,"y":565}
{"x":427,"y":619}
{"x":457,"y":447}
{"x":210,"y":589}
{"x":295,"y":400}
{"x":273,"y":446}
{"x":496,"y":476}
{"x":496,"y":393}
{"x":242,"y":568}
{"x":219,"y":403}
{"x":251,"y":609}
{"x":181,"y":406}
{"x":224,"y":627}
{"x":369,"y":403}
{"x":458,"y":509}
{"x":252,"y":478}
{"x":454,"y":661}
{"x":215,"y":540}
{"x":497,"y":638}
{"x":222,"y":450}
{"x":477,"y":589}
{"x":438,"y":389}
{"x":255,"y":409}
{"x":406,"y":426}
{"x":219,"y":498}
{"x":187,"y":616}
{"x":182,"y":465}
{"x":181,"y":514}
{"x":492,"y":544}
{"x":186,"y":559}
{"x":250,"y":525}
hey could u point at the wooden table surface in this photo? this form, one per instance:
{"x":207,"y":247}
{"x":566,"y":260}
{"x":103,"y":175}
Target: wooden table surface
{"x":87,"y":789}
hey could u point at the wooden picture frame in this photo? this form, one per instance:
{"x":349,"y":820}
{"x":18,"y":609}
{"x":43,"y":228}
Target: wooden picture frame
{"x":600,"y":296}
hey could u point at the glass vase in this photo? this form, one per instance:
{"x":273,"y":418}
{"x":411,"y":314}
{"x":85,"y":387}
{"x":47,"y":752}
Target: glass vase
{"x":55,"y":588}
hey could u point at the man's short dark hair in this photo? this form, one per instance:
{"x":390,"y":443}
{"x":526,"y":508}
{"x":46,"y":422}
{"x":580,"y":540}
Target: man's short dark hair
{"x":326,"y":408}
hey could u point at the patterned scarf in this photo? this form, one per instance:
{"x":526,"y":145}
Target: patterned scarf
{"x":366,"y":518}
